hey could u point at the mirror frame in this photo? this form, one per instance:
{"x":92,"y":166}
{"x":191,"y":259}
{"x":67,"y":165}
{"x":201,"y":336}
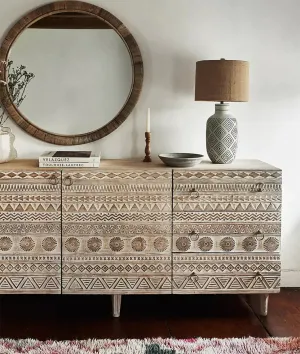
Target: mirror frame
{"x":122,"y":31}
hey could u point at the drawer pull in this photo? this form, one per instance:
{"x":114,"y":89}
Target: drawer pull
{"x":259,"y":187}
{"x":258,"y":274}
{"x":194,"y":277}
{"x":68,"y":181}
{"x":53,"y":180}
{"x":259,"y":235}
{"x":194,"y":193}
{"x":194,"y":236}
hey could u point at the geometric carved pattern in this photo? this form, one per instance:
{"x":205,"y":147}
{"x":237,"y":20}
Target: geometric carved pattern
{"x":117,"y":284}
{"x":224,"y":211}
{"x":116,"y":213}
{"x":183,"y":244}
{"x":130,"y":213}
{"x":49,"y":244}
{"x":27,"y":244}
{"x":112,"y":274}
{"x":226,"y":228}
{"x":227,"y":244}
{"x":94,"y":244}
{"x":232,"y":176}
{"x":30,"y":284}
{"x":227,"y":217}
{"x":218,"y":273}
{"x":271,"y":244}
{"x":231,"y":284}
{"x":30,"y":228}
{"x":5,"y":243}
{"x":116,"y":244}
{"x":219,"y":243}
{"x":138,"y":244}
{"x":225,"y":188}
{"x":249,"y":244}
{"x":186,"y":205}
{"x":161,"y":244}
{"x":72,"y":244}
{"x":205,"y":244}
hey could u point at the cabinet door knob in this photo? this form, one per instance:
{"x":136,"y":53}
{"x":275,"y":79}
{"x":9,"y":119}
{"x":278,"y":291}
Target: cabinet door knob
{"x":259,"y":187}
{"x":258,"y":274}
{"x":259,"y":235}
{"x":194,"y":236}
{"x":194,"y":277}
{"x":53,"y":179}
{"x":194,"y":193}
{"x":68,"y":181}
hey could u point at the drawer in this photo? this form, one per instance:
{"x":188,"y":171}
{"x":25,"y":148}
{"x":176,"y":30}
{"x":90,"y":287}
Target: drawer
{"x":214,"y":273}
{"x":226,"y":243}
{"x":227,"y":191}
{"x":117,"y":274}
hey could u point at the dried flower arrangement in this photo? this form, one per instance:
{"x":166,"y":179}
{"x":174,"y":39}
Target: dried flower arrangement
{"x":17,"y":81}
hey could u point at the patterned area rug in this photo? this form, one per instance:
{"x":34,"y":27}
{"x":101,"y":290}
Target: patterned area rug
{"x":155,"y":346}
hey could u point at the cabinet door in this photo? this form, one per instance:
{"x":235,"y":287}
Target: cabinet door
{"x":30,"y":232}
{"x":116,"y":232}
{"x":226,"y":231}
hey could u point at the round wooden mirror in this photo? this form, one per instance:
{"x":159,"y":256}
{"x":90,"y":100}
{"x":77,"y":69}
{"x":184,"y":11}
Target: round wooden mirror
{"x":74,"y":73}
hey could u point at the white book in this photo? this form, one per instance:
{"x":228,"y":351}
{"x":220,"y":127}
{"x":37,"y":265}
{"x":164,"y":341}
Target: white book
{"x":69,"y":164}
{"x":69,"y":156}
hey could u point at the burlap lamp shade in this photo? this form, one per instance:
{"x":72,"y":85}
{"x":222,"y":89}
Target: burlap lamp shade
{"x":222,"y":81}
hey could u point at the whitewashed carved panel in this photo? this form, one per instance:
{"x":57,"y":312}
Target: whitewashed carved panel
{"x":117,"y":232}
{"x":219,"y":273}
{"x":226,"y":243}
{"x":30,"y":232}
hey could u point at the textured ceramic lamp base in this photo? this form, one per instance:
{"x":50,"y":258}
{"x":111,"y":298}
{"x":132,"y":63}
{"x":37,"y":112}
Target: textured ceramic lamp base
{"x":221,"y":135}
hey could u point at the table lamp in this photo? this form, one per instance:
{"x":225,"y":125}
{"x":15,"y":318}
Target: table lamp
{"x":222,"y":81}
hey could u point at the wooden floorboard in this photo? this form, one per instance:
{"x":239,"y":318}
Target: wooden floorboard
{"x":180,"y":316}
{"x":283,"y":319}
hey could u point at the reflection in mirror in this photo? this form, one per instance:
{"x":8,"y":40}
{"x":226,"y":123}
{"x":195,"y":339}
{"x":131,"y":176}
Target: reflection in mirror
{"x":83,"y":73}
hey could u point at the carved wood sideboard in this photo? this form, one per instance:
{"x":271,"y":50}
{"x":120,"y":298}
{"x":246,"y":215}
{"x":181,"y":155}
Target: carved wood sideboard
{"x":141,"y":228}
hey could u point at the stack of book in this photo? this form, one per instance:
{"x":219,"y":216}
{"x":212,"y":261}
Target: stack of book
{"x":69,"y":159}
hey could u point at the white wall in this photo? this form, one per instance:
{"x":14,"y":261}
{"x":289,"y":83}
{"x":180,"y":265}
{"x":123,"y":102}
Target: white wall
{"x":173,"y":35}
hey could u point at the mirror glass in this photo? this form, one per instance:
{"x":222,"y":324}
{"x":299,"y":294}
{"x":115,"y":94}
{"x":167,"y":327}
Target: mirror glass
{"x":79,"y":73}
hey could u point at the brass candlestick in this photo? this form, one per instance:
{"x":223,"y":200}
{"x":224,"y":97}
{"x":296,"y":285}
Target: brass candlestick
{"x":147,"y":148}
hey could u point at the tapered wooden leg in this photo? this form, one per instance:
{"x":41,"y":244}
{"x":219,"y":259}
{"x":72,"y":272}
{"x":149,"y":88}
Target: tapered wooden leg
{"x":259,"y":303}
{"x":116,"y":302}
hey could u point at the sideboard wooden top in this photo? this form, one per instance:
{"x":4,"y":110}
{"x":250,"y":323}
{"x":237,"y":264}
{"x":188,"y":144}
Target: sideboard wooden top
{"x":137,"y":164}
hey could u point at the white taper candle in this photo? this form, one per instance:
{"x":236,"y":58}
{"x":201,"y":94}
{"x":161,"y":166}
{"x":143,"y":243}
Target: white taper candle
{"x":148,"y":122}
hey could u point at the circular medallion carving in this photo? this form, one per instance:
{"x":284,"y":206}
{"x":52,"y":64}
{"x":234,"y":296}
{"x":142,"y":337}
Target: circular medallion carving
{"x":49,"y":244}
{"x":94,"y":244}
{"x":5,"y":243}
{"x":271,"y":244}
{"x":205,"y":244}
{"x":27,"y":244}
{"x":249,"y":244}
{"x":227,"y":244}
{"x":161,"y":244}
{"x":72,"y":244}
{"x":116,"y":244}
{"x":183,"y":244}
{"x":138,"y":244}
